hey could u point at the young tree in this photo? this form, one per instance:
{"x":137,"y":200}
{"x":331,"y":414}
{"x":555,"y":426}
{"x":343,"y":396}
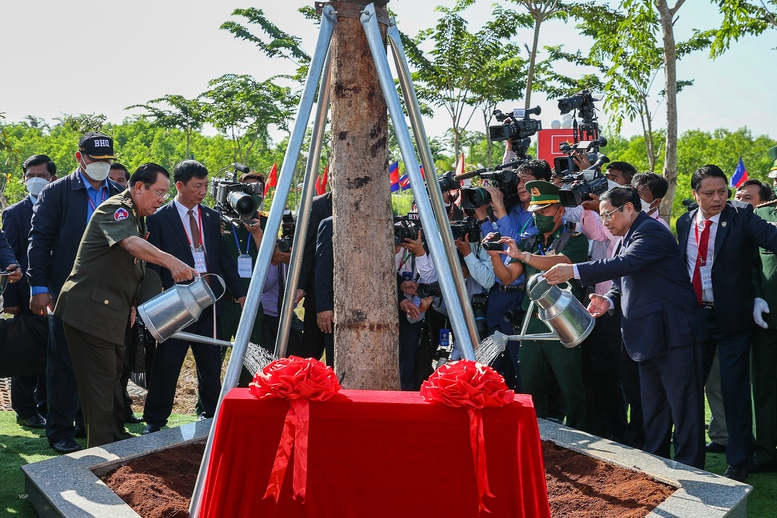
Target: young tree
{"x":244,"y":109}
{"x":741,"y":17}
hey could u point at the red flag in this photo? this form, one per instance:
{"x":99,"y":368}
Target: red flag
{"x":321,"y":181}
{"x":394,"y":176}
{"x":272,"y":179}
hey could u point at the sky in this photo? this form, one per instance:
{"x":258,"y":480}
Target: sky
{"x":75,"y":56}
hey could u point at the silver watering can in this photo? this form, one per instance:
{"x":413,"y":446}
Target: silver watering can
{"x":177,"y":307}
{"x":561,"y":311}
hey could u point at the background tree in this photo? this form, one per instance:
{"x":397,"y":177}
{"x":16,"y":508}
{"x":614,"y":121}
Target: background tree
{"x":244,"y":109}
{"x":187,"y":115}
{"x":741,"y":17}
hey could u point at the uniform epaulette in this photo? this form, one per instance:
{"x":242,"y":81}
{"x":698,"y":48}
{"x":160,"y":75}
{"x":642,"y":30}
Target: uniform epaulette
{"x":767,"y":204}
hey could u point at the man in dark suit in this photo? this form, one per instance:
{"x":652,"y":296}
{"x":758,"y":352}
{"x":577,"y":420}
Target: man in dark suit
{"x":59,"y":218}
{"x":28,"y":393}
{"x":718,"y":242}
{"x":313,"y":343}
{"x":662,"y":326}
{"x":191,"y":232}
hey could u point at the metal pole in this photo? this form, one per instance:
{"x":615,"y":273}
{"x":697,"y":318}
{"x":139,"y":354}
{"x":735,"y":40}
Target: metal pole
{"x":444,"y":272}
{"x":435,"y":195}
{"x":247,"y":318}
{"x":303,"y":214}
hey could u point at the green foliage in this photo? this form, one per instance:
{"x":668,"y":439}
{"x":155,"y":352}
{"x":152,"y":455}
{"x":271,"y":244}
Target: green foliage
{"x":741,"y":17}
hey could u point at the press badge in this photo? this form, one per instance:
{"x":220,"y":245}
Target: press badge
{"x":244,"y":266}
{"x":706,"y":277}
{"x":199,"y":260}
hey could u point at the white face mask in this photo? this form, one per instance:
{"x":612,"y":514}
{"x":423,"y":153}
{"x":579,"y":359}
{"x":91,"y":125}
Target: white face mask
{"x":35,"y":185}
{"x":645,"y":206}
{"x":98,"y":171}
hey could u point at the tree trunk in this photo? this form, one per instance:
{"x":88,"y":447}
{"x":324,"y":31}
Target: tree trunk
{"x":538,"y":17}
{"x":670,"y":71}
{"x":365,"y":310}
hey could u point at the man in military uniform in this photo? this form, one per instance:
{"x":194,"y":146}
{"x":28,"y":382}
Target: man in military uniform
{"x":97,"y":299}
{"x":764,"y":348}
{"x":553,"y":244}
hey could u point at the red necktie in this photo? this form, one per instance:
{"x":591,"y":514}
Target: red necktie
{"x":701,"y":256}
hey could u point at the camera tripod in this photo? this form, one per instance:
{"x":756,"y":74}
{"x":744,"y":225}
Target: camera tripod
{"x":431,"y":209}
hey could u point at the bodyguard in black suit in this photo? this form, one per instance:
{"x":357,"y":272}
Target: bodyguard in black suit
{"x":661,"y":324}
{"x":727,"y":294}
{"x":28,"y":393}
{"x":59,"y":219}
{"x":313,"y":342}
{"x":191,"y":232}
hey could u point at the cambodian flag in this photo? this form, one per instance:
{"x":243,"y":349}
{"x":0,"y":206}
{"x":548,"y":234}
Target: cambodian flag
{"x":404,"y":182}
{"x":740,"y":175}
{"x":394,"y":176}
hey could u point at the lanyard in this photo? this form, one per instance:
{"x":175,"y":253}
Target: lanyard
{"x":91,"y":203}
{"x":199,"y":216}
{"x":237,"y":241}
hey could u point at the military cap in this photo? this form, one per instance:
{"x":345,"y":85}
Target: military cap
{"x":542,"y":194}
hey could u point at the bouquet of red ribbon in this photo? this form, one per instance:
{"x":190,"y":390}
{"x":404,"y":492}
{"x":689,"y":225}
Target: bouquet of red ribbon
{"x":298,"y":380}
{"x":474,"y":386}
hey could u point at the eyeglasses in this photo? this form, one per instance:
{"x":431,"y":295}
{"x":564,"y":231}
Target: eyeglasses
{"x":162,"y":195}
{"x":607,"y":216}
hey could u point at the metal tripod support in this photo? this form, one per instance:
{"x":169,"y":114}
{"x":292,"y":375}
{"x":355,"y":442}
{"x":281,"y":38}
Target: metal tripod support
{"x":431,"y":209}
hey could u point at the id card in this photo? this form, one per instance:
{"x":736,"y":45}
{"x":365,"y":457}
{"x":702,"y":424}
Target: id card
{"x":706,"y":277}
{"x":244,"y":266}
{"x":199,"y":260}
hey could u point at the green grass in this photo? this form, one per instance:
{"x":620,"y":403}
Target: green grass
{"x":19,"y":446}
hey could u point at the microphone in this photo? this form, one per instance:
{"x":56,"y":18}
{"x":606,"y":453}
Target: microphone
{"x":464,"y":176}
{"x":240,"y":167}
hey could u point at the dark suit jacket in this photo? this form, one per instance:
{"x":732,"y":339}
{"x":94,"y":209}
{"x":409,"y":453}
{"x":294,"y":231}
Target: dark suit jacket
{"x":319,"y":210}
{"x":58,"y":223}
{"x":166,"y":232}
{"x":739,"y":233}
{"x":652,"y":289}
{"x":17,"y":221}
{"x":325,"y":297}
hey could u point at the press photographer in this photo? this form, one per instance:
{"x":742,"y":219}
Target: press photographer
{"x":237,"y":201}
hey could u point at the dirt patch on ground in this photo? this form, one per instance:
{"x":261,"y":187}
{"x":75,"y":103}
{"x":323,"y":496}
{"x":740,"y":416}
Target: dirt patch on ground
{"x":161,"y":485}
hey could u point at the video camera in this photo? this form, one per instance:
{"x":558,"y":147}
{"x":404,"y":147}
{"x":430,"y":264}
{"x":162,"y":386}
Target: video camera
{"x":235,"y":200}
{"x":288,"y":226}
{"x":501,"y":177}
{"x":493,"y":243}
{"x":515,"y":127}
{"x":467,"y":226}
{"x":585,"y":134}
{"x":578,"y":187}
{"x":406,"y":227}
{"x":448,"y":182}
{"x":690,"y":205}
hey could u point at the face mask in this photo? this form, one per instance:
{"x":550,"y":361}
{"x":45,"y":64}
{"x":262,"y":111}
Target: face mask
{"x":645,"y":206}
{"x":35,"y":185}
{"x":98,"y":171}
{"x":544,"y":223}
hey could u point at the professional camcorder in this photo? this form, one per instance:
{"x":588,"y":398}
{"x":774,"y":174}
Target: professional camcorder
{"x":515,"y":127}
{"x":585,"y":134}
{"x":578,"y":187}
{"x":236,"y":201}
{"x":506,"y":180}
{"x":467,"y":226}
{"x":448,"y":182}
{"x":406,"y":227}
{"x":288,"y":226}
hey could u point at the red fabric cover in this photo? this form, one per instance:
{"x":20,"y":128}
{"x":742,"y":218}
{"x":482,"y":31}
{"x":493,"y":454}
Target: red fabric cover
{"x":377,"y":454}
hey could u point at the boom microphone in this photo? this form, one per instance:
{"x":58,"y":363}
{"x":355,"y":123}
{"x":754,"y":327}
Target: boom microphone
{"x":240,"y":167}
{"x":464,"y":176}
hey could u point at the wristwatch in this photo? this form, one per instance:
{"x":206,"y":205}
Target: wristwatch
{"x":481,"y":221}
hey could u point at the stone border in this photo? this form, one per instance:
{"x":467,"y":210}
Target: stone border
{"x":699,"y":494}
{"x":67,"y":487}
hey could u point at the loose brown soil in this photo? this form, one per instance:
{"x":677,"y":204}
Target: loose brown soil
{"x":161,"y":485}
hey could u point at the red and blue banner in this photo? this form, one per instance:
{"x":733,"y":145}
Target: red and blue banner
{"x":740,"y":175}
{"x":394,"y":176}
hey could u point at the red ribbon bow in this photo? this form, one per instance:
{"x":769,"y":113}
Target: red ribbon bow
{"x":299,"y":380}
{"x":474,"y":386}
